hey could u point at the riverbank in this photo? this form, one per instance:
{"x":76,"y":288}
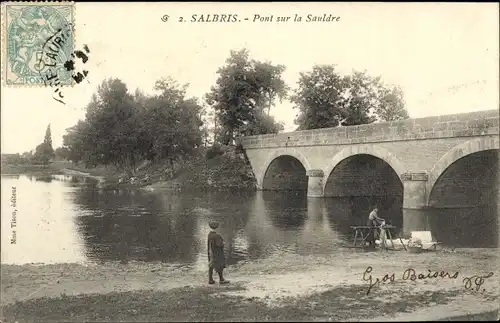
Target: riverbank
{"x":289,"y":288}
{"x":69,"y":171}
{"x":225,"y":170}
{"x":222,"y":171}
{"x":58,"y":168}
{"x":228,"y":171}
{"x":34,"y":170}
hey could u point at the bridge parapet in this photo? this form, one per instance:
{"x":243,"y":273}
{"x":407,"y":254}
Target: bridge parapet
{"x":480,"y":123}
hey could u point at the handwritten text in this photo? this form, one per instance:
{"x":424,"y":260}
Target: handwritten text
{"x":470,"y":283}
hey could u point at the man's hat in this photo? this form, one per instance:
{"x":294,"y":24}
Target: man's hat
{"x":213,"y":225}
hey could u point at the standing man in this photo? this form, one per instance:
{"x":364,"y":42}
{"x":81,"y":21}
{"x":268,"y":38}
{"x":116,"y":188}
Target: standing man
{"x":216,"y":258}
{"x":374,"y":221}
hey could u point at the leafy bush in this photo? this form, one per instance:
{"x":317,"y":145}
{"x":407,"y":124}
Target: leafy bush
{"x":213,"y":152}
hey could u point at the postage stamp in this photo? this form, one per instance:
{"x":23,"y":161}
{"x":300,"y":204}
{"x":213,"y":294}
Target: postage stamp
{"x":38,"y":39}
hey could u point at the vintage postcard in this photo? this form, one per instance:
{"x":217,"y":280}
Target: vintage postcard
{"x":192,"y":161}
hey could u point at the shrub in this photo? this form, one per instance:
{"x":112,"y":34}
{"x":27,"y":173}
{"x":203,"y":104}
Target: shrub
{"x":213,"y":152}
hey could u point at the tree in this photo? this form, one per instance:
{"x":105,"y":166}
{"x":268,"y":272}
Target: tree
{"x":319,"y":98}
{"x":62,"y":153}
{"x":124,"y":129}
{"x":325,"y":99}
{"x":359,"y":99}
{"x":206,"y":130}
{"x":392,"y":105}
{"x":49,"y":150}
{"x":263,"y":124}
{"x":27,"y":157}
{"x":115,"y":132}
{"x":172,"y":122}
{"x":13,"y":159}
{"x":44,"y":151}
{"x":79,"y":145}
{"x":244,"y":90}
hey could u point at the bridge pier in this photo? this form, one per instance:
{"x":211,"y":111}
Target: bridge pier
{"x":315,"y":183}
{"x":415,"y":216}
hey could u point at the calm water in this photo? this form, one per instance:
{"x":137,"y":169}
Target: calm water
{"x":71,"y":219}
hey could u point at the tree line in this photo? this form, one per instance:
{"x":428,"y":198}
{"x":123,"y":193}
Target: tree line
{"x":123,"y":129}
{"x":41,"y":155}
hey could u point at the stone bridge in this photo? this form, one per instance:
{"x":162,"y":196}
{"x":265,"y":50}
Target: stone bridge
{"x":442,"y":161}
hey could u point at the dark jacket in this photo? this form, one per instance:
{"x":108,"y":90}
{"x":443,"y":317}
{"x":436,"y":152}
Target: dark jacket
{"x":215,"y":246}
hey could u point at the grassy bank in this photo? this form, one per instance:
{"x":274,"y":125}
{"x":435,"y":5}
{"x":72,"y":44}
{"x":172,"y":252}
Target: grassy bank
{"x":54,"y":168}
{"x":223,"y":172}
{"x":59,"y":168}
{"x":486,"y":316}
{"x":35,"y":170}
{"x":226,"y":170}
{"x":284,"y":288}
{"x":215,"y":304}
{"x":288,"y":288}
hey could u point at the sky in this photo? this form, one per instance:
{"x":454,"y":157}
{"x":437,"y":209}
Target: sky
{"x":445,"y":56}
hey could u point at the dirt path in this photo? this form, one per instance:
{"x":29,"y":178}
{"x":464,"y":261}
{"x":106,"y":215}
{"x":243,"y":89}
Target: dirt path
{"x":272,"y":279}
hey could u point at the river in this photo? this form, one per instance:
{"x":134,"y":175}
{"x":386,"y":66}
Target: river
{"x":63,"y":219}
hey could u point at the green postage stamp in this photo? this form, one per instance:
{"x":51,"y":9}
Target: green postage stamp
{"x":38,"y":39}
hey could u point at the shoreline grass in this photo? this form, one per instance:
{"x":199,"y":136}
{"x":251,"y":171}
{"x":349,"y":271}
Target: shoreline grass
{"x":28,"y":169}
{"x":221,"y":173}
{"x":486,"y":316}
{"x":211,"y":303}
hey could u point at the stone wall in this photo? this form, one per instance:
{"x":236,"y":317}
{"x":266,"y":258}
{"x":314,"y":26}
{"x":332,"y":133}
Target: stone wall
{"x":409,"y":155}
{"x":427,"y":145}
{"x":455,"y":125}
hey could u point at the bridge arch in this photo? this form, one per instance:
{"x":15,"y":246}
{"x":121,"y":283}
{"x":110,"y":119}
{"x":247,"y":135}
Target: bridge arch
{"x":351,"y":151}
{"x":362,"y":176}
{"x":284,"y":152}
{"x":467,"y":148}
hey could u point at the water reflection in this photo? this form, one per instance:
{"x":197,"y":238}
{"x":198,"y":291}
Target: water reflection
{"x":287,"y":210}
{"x":74,"y":219}
{"x":45,"y":230}
{"x":465,"y":226}
{"x":317,"y":230}
{"x":129,"y":225}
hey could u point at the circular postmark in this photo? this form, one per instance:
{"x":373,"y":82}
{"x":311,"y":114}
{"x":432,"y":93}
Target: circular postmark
{"x":39,"y":42}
